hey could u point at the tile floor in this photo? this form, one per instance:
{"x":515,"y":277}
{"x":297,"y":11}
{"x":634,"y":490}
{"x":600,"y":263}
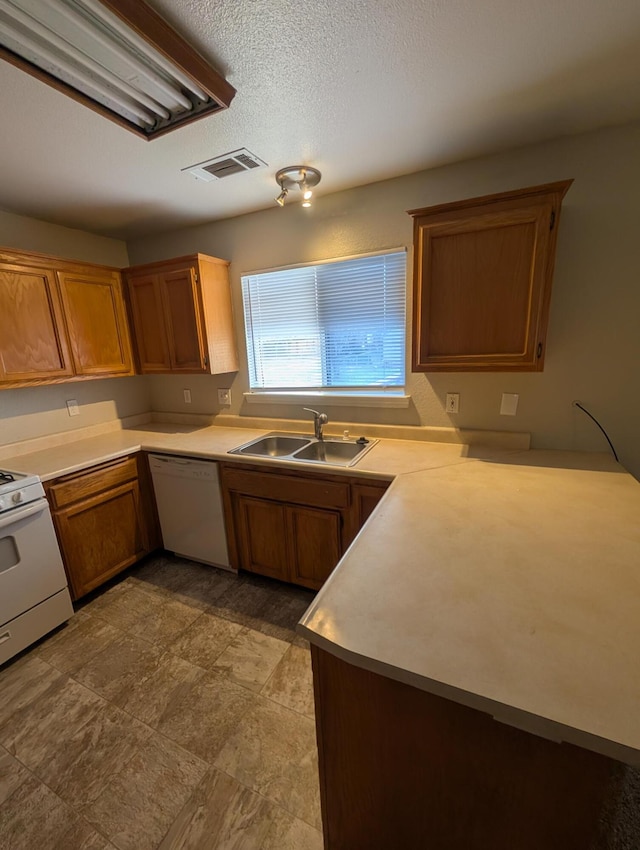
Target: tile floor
{"x":174,"y":711}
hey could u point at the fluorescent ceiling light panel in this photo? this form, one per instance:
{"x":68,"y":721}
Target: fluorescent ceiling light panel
{"x":119,"y":57}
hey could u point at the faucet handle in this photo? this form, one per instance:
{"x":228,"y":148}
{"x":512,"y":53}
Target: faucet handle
{"x":311,"y":410}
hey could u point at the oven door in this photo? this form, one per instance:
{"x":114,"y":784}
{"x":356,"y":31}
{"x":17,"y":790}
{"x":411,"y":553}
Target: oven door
{"x":30,"y":565}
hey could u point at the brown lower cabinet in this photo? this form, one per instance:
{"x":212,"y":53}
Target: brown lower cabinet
{"x":403,"y":768}
{"x":293,"y":526}
{"x":105,"y":520}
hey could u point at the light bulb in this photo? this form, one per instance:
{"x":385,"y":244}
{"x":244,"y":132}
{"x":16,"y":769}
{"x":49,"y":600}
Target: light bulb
{"x":306,"y":203}
{"x":307,"y":193}
{"x":281,"y":197}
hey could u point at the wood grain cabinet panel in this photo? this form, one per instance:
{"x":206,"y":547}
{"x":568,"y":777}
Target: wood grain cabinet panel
{"x":97,"y":322}
{"x":187,"y":346}
{"x":262,"y":533}
{"x":365,"y":499}
{"x":145,"y":297}
{"x":60,"y":320}
{"x":182,"y":315}
{"x":293,"y":526}
{"x":105,"y":520}
{"x":403,"y":768}
{"x":101,"y":536}
{"x":316,"y":544}
{"x":482,"y":281}
{"x":33,"y":339}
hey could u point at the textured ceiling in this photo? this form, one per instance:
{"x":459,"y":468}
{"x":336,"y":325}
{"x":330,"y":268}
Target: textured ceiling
{"x":362,"y":90}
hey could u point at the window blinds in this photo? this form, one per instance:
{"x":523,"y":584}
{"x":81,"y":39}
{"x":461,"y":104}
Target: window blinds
{"x":335,"y":324}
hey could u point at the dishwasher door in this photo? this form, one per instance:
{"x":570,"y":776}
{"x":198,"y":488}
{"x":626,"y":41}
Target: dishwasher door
{"x":190,"y":508}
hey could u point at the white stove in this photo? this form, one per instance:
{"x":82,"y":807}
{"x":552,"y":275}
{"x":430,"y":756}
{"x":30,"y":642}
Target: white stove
{"x":34,"y":597}
{"x":17,"y":488}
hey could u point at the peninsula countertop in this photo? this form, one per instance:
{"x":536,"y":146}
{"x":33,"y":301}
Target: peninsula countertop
{"x":506,"y":581}
{"x":509,"y":585}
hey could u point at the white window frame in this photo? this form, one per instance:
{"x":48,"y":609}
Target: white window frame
{"x":368,"y":396}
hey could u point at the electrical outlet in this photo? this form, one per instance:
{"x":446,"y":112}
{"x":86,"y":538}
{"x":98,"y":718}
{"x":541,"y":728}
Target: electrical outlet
{"x":453,"y":403}
{"x":72,"y":407}
{"x":224,"y":397}
{"x":509,"y":404}
{"x":187,"y":396}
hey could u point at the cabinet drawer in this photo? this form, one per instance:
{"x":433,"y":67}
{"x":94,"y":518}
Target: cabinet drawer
{"x":73,"y":488}
{"x":313,"y":491}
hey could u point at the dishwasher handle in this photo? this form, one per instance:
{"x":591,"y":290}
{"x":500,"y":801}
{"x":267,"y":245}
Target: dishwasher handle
{"x":182,"y":467}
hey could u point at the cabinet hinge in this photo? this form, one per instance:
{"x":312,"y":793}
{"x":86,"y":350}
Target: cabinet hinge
{"x":206,"y":360}
{"x":539,"y":352}
{"x":553,"y":220}
{"x":195,"y":276}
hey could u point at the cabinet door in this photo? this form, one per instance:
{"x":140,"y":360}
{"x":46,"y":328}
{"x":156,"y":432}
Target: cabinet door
{"x":365,"y":499}
{"x":101,"y":536}
{"x":94,"y":309}
{"x":147,"y":308}
{"x":261,"y":528}
{"x":183,"y":319}
{"x":482,"y":281}
{"x":33,"y":341}
{"x":316,"y":545}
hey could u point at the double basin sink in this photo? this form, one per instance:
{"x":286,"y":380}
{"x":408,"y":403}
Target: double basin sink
{"x":334,"y":452}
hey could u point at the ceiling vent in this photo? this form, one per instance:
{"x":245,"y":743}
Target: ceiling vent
{"x":225,"y":165}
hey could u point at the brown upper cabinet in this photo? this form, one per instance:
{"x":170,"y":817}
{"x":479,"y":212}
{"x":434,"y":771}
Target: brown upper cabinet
{"x":182,"y":317}
{"x":60,"y":321}
{"x":483,"y":270}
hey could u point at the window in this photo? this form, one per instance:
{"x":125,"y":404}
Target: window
{"x":335,"y":325}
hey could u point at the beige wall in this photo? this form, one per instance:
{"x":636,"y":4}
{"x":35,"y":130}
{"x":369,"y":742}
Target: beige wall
{"x":593,"y":351}
{"x":39,"y":411}
{"x":31,"y":234}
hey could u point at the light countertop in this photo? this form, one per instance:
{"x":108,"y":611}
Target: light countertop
{"x":507,"y":581}
{"x":385,"y":460}
{"x":511,"y":586}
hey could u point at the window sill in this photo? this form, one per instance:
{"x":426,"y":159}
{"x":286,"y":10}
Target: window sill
{"x":330,"y":399}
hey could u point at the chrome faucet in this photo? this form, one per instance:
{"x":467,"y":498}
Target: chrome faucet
{"x":319,"y":419}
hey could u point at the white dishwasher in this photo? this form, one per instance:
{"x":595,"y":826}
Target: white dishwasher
{"x":190,"y":508}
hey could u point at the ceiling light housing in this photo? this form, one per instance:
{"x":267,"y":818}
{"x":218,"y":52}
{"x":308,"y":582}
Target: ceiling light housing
{"x":303,"y":177}
{"x":118,"y":57}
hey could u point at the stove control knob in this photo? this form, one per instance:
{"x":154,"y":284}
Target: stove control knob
{"x":16,"y":498}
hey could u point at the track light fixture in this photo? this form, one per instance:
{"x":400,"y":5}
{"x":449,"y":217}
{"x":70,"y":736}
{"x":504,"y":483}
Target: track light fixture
{"x":302,"y":177}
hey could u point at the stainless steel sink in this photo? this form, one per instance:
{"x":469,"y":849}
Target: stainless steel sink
{"x":331,"y":451}
{"x":273,"y":445}
{"x":305,"y":449}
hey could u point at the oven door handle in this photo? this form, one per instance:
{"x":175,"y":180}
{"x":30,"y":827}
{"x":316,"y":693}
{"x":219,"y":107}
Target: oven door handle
{"x":17,"y":514}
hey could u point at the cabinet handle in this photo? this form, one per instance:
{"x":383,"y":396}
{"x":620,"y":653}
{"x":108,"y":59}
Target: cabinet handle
{"x":539,"y":352}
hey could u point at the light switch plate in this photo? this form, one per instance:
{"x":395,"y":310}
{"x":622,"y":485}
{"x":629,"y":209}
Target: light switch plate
{"x":509,"y":404}
{"x":187,"y":396}
{"x":224,"y":397}
{"x":72,"y":407}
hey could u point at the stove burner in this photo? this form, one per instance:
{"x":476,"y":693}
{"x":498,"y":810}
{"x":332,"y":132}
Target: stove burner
{"x":6,"y":477}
